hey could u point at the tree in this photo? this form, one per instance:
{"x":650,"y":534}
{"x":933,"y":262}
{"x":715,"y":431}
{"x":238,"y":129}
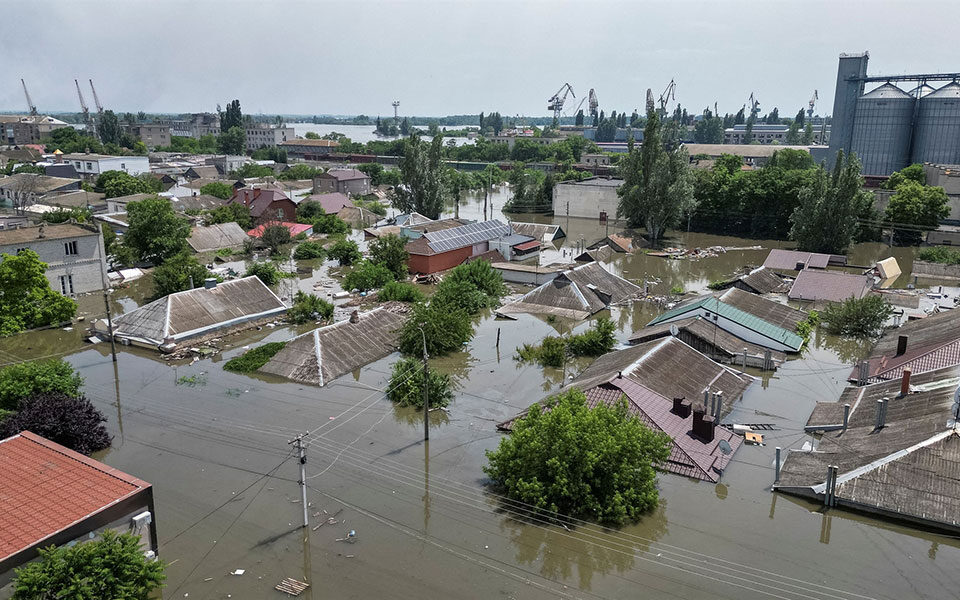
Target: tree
{"x":115,"y":184}
{"x":367,"y":276}
{"x":309,"y":250}
{"x":71,"y":421}
{"x":773,"y":117}
{"x":708,"y":130}
{"x":232,"y":116}
{"x":221,"y":190}
{"x":421,"y":171}
{"x":799,"y":119}
{"x":275,"y":235}
{"x":235,"y":212}
{"x":446,"y":330}
{"x":913,"y":173}
{"x":405,"y":127}
{"x":346,"y":252}
{"x":155,"y":231}
{"x":857,"y":316}
{"x":232,"y":141}
{"x":657,"y":187}
{"x":826,"y":219}
{"x":300,"y":171}
{"x":807,"y":135}
{"x":400,"y":291}
{"x":309,"y":307}
{"x":390,"y":252}
{"x":919,"y":208}
{"x":25,"y":189}
{"x":108,"y":128}
{"x":584,"y":463}
{"x":178,"y":273}
{"x":267,"y":272}
{"x":407,"y":381}
{"x":253,"y":170}
{"x":20,"y":381}
{"x":481,"y":276}
{"x":26,"y":300}
{"x":748,"y":132}
{"x":113,"y":566}
{"x":793,"y":133}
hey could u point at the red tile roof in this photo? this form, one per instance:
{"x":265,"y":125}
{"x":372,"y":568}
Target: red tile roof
{"x":523,"y":246}
{"x":45,"y":488}
{"x":295,"y":228}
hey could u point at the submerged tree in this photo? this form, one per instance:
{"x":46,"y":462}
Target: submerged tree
{"x":421,"y":171}
{"x":26,"y":300}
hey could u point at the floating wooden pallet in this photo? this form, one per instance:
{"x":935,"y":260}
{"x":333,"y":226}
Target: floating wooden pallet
{"x":292,"y":586}
{"x":755,"y":426}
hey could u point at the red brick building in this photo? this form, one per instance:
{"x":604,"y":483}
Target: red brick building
{"x":266,"y":204}
{"x":441,"y":250}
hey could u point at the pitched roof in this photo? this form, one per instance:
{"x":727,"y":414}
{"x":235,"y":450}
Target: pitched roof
{"x":761,"y":281}
{"x":576,"y":294}
{"x":77,"y":199}
{"x":36,"y":184}
{"x":202,"y":172}
{"x":617,"y":243}
{"x":770,"y":311}
{"x":215,"y":237}
{"x":736,"y":315}
{"x":544,"y":232}
{"x":458,"y":236}
{"x":344,"y":174}
{"x":331,"y":203}
{"x":933,"y":342}
{"x":320,"y":356}
{"x":45,"y":488}
{"x":787,"y":260}
{"x":59,"y":231}
{"x":198,"y":202}
{"x":259,"y":199}
{"x":723,"y":341}
{"x":183,"y":315}
{"x":295,"y":228}
{"x":833,"y":286}
{"x":602,"y":253}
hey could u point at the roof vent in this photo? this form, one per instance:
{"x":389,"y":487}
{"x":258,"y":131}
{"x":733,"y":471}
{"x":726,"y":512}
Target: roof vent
{"x":355,"y":317}
{"x":210,"y":283}
{"x":902,"y":344}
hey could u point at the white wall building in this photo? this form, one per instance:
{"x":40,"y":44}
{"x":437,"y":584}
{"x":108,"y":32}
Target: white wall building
{"x":267,"y":136}
{"x":90,"y":166}
{"x":76,"y":261}
{"x":588,"y":199}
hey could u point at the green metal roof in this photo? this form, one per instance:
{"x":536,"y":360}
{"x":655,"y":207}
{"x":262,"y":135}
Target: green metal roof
{"x":745,"y":319}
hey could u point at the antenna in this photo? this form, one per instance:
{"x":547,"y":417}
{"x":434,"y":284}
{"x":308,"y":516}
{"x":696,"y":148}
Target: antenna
{"x":396,"y":105}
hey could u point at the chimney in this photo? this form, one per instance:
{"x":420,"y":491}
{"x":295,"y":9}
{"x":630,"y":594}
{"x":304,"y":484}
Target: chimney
{"x":210,"y":283}
{"x":798,"y":267}
{"x":881,"y":413}
{"x":902,"y":344}
{"x":681,"y":407}
{"x":905,"y":383}
{"x":703,"y":425}
{"x":355,"y":317}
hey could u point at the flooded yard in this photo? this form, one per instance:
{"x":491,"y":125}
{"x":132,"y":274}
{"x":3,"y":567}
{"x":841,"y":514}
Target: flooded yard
{"x":214,"y":444}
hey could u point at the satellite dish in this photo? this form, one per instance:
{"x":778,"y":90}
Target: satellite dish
{"x":724,"y":446}
{"x":674,"y":330}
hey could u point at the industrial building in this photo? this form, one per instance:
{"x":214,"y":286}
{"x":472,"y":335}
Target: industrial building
{"x":889,"y":127}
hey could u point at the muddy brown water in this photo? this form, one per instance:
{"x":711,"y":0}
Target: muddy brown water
{"x":216,"y":451}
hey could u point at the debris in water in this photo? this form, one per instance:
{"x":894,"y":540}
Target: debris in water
{"x":292,"y":587}
{"x":238,"y":572}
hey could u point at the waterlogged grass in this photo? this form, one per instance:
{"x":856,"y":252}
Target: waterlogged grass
{"x":253,"y":359}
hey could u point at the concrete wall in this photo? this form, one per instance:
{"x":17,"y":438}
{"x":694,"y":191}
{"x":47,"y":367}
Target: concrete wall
{"x":937,"y":270}
{"x":586,"y":201}
{"x":85,"y":268}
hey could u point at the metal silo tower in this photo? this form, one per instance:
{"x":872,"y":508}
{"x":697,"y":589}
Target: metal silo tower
{"x":882,"y":129}
{"x":937,"y":132}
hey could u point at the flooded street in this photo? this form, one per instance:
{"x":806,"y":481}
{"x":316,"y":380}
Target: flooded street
{"x":225,"y":479}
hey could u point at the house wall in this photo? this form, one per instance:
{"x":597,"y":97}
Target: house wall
{"x":282,"y":210}
{"x":91,"y":168}
{"x":419,"y":263}
{"x":586,"y":201}
{"x":86,"y":270}
{"x":324,"y":185}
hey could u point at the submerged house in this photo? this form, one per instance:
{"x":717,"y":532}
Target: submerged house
{"x":829,"y":286}
{"x":184,"y":316}
{"x":795,"y":260}
{"x":575,"y":294}
{"x":320,"y":356}
{"x":758,"y":281}
{"x":544,"y":232}
{"x":216,"y":237}
{"x":441,"y":249}
{"x":687,"y":408}
{"x":761,"y":322}
{"x":719,"y":344}
{"x":920,"y":345}
{"x":889,"y":448}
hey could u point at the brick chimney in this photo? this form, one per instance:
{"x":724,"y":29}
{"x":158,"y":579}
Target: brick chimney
{"x":703,"y":425}
{"x":355,"y":317}
{"x":681,"y":407}
{"x":905,"y":383}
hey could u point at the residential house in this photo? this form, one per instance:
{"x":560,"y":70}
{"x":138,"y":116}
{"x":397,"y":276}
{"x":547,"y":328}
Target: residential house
{"x":217,"y":237}
{"x":119,"y":204}
{"x":53,"y":496}
{"x":65,"y":170}
{"x":266,"y":204}
{"x":93,"y":201}
{"x":346,"y":181}
{"x":196,"y":203}
{"x":153,"y":135}
{"x":758,"y":281}
{"x":919,"y":345}
{"x":617,"y":243}
{"x":444,"y":249}
{"x":719,"y":344}
{"x":308,"y":149}
{"x":295,"y":229}
{"x":90,"y":166}
{"x":830,"y":286}
{"x":215,"y":309}
{"x":575,"y":294}
{"x":76,"y":261}
{"x":543,"y":232}
{"x":794,"y":260}
{"x":592,"y":198}
{"x":322,"y":355}
{"x":332,"y":203}
{"x":27,"y":188}
{"x":202,"y":172}
{"x":18,"y":154}
{"x":513,"y":272}
{"x":265,"y":135}
{"x":688,"y":408}
{"x":890,"y":448}
{"x":515,"y":246}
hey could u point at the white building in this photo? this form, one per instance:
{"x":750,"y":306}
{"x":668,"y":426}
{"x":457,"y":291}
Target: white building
{"x":591,"y":198}
{"x":76,"y":261}
{"x":267,"y":136}
{"x":90,"y":166}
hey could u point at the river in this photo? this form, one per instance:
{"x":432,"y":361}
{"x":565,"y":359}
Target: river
{"x":217,"y":454}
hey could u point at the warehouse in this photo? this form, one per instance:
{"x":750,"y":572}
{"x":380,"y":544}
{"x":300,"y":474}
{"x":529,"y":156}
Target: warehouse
{"x":592,"y":198}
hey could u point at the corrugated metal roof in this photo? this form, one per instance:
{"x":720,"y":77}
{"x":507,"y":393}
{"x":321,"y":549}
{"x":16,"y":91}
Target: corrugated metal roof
{"x":786,"y":260}
{"x":711,"y":335}
{"x":763,"y":281}
{"x":887,"y":90}
{"x":833,"y":286}
{"x":466,"y":235}
{"x":214,"y":237}
{"x":770,"y":311}
{"x":539,"y":231}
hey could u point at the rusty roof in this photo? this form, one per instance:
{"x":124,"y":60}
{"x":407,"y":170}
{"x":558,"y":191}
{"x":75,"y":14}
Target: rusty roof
{"x":320,"y":356}
{"x":45,"y":488}
{"x":761,"y":281}
{"x":832,"y":286}
{"x":787,"y":260}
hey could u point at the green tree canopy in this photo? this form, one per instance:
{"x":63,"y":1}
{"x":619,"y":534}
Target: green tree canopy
{"x":253,"y":170}
{"x":155,"y":231}
{"x":20,"y":381}
{"x":407,"y":381}
{"x":235,"y":212}
{"x":112,"y":566}
{"x":859,"y":317}
{"x":919,"y":207}
{"x":220,"y":189}
{"x":913,"y":173}
{"x":596,"y":464}
{"x":421,"y":170}
{"x":389,"y":251}
{"x":447,"y":330}
{"x":367,"y":276}
{"x":346,"y":252}
{"x":115,"y":184}
{"x":232,"y":116}
{"x":232,"y":140}
{"x":177,"y":273}
{"x":274,"y":236}
{"x":26,"y":300}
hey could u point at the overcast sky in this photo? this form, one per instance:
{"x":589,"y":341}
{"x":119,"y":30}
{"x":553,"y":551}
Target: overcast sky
{"x":454,"y":57}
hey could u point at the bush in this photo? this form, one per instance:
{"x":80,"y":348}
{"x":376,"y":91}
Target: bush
{"x":22,"y":380}
{"x":586,"y":463}
{"x":367,"y":276}
{"x":71,"y":421}
{"x":389,"y":251}
{"x":400,"y":291}
{"x":460,"y":295}
{"x":219,"y":189}
{"x":231,"y":213}
{"x":406,"y":385}
{"x":482,"y":276}
{"x":175,"y":275}
{"x":112,"y":566}
{"x":309,"y":307}
{"x":253,"y":359}
{"x":274,"y":236}
{"x":806,"y":327}
{"x":268,"y":272}
{"x":346,"y":252}
{"x":312,"y":212}
{"x":677,"y":290}
{"x":863,"y":317}
{"x":940,"y":254}
{"x":309,"y":250}
{"x":446,"y":330}
{"x":551,"y":352}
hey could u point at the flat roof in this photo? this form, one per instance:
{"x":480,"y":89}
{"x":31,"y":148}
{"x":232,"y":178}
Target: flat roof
{"x":24,"y":235}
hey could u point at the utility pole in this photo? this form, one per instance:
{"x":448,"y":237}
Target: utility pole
{"x":301,"y":450}
{"x":106,"y":299}
{"x":426,"y":392}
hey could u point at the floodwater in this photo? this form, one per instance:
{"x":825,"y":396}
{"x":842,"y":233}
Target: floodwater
{"x":216,"y":451}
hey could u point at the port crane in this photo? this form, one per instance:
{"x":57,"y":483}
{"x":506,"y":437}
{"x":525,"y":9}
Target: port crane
{"x":30,"y":104}
{"x":83,"y":106}
{"x":754,"y":104}
{"x":813,"y":100}
{"x":667,"y":95}
{"x":96,"y":100}
{"x":556,"y":101}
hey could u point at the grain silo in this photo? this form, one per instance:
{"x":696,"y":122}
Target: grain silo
{"x":936,"y":137}
{"x":882,"y":129}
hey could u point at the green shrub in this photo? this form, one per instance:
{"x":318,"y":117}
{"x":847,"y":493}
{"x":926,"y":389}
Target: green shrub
{"x":346,"y":252}
{"x":940,"y":254}
{"x":390,"y":252}
{"x":551,"y":352}
{"x":482,"y":276}
{"x":253,"y":359}
{"x":225,"y":252}
{"x":309,"y":307}
{"x":406,"y":385}
{"x":595,"y":342}
{"x":400,"y":291}
{"x":22,"y":380}
{"x":717,"y":285}
{"x":863,"y":317}
{"x":446,"y":329}
{"x":309,"y":250}
{"x":460,"y":295}
{"x":268,"y":272}
{"x":677,"y":290}
{"x":176,"y":274}
{"x":367,"y":276}
{"x":806,"y":327}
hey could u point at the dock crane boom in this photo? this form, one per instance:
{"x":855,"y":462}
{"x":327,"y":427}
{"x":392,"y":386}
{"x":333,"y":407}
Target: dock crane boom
{"x":593,"y":103}
{"x":754,"y":104}
{"x":87,"y":121}
{"x":556,"y":101}
{"x":30,"y":104}
{"x":667,"y":95}
{"x":813,"y":100}
{"x":96,"y":100}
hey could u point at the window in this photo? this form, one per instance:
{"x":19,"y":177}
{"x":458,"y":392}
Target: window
{"x":89,"y":166}
{"x":66,"y":285}
{"x":70,"y":248}
{"x":123,"y":166}
{"x":76,"y":164}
